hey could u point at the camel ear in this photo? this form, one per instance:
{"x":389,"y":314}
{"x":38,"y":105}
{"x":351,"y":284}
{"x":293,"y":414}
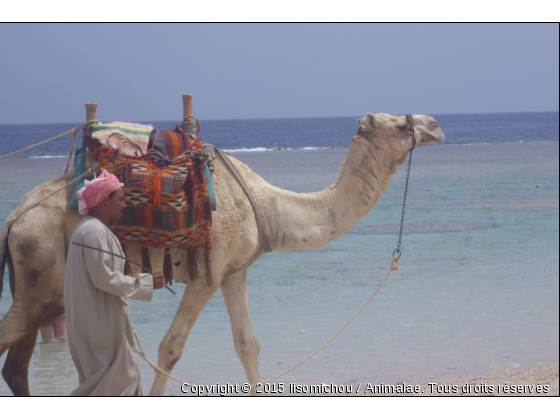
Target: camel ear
{"x":367,"y":124}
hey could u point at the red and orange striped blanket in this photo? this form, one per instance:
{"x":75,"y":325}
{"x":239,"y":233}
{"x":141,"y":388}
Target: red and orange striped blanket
{"x":167,"y":201}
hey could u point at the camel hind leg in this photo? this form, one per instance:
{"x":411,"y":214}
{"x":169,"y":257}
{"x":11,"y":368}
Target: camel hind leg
{"x":18,"y":333}
{"x":15,"y":371}
{"x":19,"y":322}
{"x":37,"y":292}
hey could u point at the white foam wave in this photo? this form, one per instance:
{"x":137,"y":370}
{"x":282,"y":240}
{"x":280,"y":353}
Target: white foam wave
{"x":487,"y":143}
{"x":244,"y":149}
{"x":278,"y":149}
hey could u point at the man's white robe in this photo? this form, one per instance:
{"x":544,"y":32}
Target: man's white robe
{"x":97,"y":314}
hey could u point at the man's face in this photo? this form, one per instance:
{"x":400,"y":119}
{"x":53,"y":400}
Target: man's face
{"x":116,"y":205}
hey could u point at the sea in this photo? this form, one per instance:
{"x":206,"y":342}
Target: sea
{"x":478,"y":285}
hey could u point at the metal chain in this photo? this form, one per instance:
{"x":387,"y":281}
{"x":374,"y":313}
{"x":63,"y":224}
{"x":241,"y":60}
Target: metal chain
{"x":397,"y":252}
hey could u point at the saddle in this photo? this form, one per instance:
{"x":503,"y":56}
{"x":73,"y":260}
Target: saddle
{"x":168,"y":204}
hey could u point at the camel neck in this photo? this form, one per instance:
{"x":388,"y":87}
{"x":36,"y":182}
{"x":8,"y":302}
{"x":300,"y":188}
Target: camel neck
{"x":309,"y":221}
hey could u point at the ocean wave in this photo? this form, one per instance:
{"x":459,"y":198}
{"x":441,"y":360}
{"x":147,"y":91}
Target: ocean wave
{"x":487,"y":143}
{"x":45,"y":157}
{"x":482,"y":143}
{"x":244,"y":149}
{"x":237,"y":150}
{"x":281,"y":149}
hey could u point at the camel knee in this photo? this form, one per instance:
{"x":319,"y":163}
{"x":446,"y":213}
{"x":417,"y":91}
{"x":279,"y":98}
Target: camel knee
{"x":16,"y":378}
{"x":7,"y":373}
{"x":169,"y":353}
{"x":10,"y":371}
{"x":246,"y":345}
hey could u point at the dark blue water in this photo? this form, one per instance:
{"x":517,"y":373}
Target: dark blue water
{"x":300,"y":133}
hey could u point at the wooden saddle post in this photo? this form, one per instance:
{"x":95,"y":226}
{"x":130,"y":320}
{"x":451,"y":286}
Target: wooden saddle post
{"x":91,"y":115}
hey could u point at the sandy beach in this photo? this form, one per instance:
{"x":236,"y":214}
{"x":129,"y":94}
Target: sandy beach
{"x":514,"y":380}
{"x":540,"y":379}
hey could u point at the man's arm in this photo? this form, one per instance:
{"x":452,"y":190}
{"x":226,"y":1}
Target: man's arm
{"x":98,"y":265}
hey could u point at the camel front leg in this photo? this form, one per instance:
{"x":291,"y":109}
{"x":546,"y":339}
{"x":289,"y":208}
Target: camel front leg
{"x":194,"y":299}
{"x":234,"y":289}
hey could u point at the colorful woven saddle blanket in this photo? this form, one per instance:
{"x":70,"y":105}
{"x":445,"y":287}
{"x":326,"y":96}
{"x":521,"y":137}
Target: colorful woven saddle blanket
{"x":170,"y":143}
{"x":167,"y":199}
{"x":173,"y":143}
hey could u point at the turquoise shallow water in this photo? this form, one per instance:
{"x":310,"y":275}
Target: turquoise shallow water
{"x":478,"y":284}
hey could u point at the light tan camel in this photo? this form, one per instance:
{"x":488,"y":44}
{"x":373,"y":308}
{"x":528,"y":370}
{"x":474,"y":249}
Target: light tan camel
{"x":38,"y":242}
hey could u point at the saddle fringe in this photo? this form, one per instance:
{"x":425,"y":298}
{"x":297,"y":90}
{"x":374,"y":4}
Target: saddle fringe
{"x":127,"y":270}
{"x":168,"y":264}
{"x":193,"y":269}
{"x":146,"y":261}
{"x":168,"y":267}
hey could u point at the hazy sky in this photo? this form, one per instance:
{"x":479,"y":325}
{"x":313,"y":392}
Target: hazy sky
{"x":139,"y":71}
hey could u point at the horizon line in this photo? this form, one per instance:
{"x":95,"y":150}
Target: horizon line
{"x":292,"y":118}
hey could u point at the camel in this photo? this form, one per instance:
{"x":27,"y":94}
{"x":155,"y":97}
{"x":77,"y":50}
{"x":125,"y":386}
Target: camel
{"x":34,"y":246}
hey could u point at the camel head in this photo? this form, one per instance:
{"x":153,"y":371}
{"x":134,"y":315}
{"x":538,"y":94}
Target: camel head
{"x":385,"y":128}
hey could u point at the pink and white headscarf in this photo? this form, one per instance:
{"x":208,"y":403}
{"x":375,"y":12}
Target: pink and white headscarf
{"x":95,"y":191}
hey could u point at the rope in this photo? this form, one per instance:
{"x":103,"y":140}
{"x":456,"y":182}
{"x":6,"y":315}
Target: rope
{"x":191,"y":126}
{"x":394,"y":267}
{"x":49,"y":196}
{"x":73,"y":131}
{"x":152,"y":364}
{"x":89,"y":171}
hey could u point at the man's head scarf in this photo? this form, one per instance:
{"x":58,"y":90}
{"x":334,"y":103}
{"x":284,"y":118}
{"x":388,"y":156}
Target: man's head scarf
{"x":95,"y":191}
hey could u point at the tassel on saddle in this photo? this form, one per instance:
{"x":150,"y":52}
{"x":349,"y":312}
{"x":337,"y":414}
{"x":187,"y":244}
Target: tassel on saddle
{"x":168,"y":267}
{"x":146,"y":262}
{"x":127,"y":270}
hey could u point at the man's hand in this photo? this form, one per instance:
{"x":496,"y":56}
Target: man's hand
{"x":159,"y":280}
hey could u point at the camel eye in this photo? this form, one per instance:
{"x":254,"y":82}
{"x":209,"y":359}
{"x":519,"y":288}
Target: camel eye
{"x":402,"y":127}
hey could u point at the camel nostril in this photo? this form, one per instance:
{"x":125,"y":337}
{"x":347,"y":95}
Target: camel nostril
{"x":435,"y":123}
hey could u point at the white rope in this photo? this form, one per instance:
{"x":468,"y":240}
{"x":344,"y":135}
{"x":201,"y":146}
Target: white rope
{"x":394,"y":267}
{"x":74,"y":130}
{"x":14,"y":218}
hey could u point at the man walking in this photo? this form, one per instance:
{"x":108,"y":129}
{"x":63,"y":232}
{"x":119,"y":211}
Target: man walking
{"x":95,"y":292}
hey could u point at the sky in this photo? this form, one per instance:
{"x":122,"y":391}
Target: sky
{"x":138,"y":72}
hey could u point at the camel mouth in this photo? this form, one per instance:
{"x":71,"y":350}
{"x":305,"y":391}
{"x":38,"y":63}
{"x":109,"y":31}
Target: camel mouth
{"x":430,"y":139}
{"x":431,"y":132}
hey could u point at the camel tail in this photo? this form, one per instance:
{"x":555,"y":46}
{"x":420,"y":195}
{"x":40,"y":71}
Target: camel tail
{"x":4,"y":249}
